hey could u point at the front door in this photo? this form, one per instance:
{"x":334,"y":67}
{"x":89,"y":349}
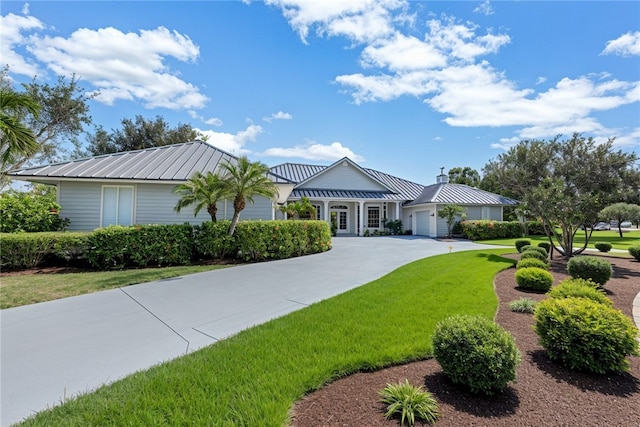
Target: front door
{"x":342,"y":218}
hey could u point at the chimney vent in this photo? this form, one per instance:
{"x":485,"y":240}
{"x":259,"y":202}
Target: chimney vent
{"x":442,"y":178}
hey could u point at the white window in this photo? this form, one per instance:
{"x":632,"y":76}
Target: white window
{"x":117,"y":205}
{"x":373,"y":217}
{"x":486,"y":212}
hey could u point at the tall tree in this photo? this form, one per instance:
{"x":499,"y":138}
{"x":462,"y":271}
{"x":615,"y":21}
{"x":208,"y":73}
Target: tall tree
{"x":203,"y":191}
{"x":243,"y":181}
{"x":63,"y":113}
{"x":16,"y":139}
{"x":139,"y":134}
{"x":621,"y":212}
{"x":466,"y":175}
{"x":565,"y":183}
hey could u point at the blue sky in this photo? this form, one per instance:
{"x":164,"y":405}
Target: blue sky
{"x":402,"y":87}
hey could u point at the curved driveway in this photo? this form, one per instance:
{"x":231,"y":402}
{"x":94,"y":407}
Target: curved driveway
{"x":54,"y":350}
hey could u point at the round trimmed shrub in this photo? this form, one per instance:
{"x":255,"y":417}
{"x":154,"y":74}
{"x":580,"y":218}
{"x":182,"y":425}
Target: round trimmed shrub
{"x":534,"y":279}
{"x":539,"y":249}
{"x":545,"y":245}
{"x":603,"y":246}
{"x":533,"y":254}
{"x":590,"y":267}
{"x":522,"y":242}
{"x":531,"y":262}
{"x":634,"y":251}
{"x":585,"y":335}
{"x":580,"y":288}
{"x":475,"y":352}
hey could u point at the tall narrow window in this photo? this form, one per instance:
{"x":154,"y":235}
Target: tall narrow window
{"x":117,"y":206}
{"x":486,"y":212}
{"x":373,"y":217}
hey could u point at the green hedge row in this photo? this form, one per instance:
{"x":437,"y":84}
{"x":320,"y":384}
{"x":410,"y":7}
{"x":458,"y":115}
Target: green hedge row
{"x":486,"y":229}
{"x":118,"y":247}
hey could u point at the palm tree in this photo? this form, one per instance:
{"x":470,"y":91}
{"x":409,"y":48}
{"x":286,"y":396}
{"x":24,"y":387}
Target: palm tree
{"x":243,"y":180}
{"x":203,"y":190}
{"x":15,"y":138}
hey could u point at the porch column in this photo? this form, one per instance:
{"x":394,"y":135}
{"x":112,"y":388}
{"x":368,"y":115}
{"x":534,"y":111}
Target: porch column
{"x":398,"y":211}
{"x":327,"y":217}
{"x":360,"y":231}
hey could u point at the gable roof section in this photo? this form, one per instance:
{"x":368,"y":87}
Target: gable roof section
{"x":398,"y":188}
{"x":460,"y":194}
{"x":177,"y":162}
{"x":345,"y":161}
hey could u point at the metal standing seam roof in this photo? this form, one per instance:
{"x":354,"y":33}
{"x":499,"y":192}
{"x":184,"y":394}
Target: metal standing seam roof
{"x":177,"y":162}
{"x":296,"y":172}
{"x":460,"y":194}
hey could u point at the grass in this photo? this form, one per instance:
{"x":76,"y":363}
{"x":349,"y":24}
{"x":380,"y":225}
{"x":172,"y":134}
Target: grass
{"x":32,"y":288}
{"x":254,"y":377}
{"x":630,"y":238}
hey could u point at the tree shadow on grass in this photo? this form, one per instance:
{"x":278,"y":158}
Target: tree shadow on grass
{"x":621,"y":384}
{"x":501,"y":404}
{"x":496,"y":258}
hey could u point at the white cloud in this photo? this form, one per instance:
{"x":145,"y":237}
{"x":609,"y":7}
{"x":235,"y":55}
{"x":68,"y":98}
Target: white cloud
{"x":12,"y":28}
{"x":484,"y":8}
{"x":314,"y":151}
{"x":232,"y":143}
{"x":401,"y":52}
{"x":280,"y":115}
{"x":540,"y":80}
{"x":25,"y":9}
{"x":626,"y":45}
{"x":212,"y":121}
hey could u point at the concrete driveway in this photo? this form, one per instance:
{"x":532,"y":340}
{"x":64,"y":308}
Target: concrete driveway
{"x":55,"y":350}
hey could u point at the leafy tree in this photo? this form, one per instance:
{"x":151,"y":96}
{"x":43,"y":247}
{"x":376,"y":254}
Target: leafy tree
{"x":203,"y":191}
{"x":466,"y":175}
{"x":452,"y":212}
{"x":16,"y":139}
{"x":300,"y":209}
{"x":31,"y":211}
{"x":63,"y":113}
{"x":139,"y":134}
{"x":244,"y":180}
{"x":621,"y":212}
{"x":565,"y":183}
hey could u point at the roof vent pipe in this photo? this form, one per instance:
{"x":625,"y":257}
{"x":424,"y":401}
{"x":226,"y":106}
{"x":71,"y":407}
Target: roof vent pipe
{"x":442,"y":178}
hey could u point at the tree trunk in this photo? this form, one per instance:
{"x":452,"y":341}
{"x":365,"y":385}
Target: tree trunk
{"x":213,"y":210}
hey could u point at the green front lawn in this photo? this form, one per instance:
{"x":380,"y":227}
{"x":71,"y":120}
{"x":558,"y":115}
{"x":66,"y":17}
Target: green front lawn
{"x":32,"y":288}
{"x":254,"y":377}
{"x":630,"y":238}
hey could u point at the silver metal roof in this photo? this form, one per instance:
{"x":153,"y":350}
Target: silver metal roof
{"x":176,"y":162}
{"x":460,"y":194}
{"x":401,"y":189}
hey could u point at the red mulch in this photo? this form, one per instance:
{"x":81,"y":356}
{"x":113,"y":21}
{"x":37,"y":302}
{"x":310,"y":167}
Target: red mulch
{"x":545,"y":394}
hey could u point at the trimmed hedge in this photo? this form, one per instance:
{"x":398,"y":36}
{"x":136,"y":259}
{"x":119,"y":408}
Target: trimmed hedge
{"x":538,"y":249}
{"x":586,"y":335}
{"x":533,"y":254}
{"x":580,"y":288}
{"x":532,"y":262}
{"x":486,"y":229}
{"x":28,"y":250}
{"x":603,"y":246}
{"x":535,"y":279}
{"x":118,"y":247}
{"x":590,"y":267}
{"x":521,"y":243}
{"x":545,"y":245}
{"x":476,"y":352}
{"x":634,"y":251}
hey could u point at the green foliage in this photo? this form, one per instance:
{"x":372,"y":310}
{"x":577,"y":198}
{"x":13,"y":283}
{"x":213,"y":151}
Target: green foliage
{"x":485,"y":229}
{"x":300,"y":209}
{"x":522,"y":305}
{"x":410,"y":403}
{"x":532,"y":262}
{"x":634,"y":251}
{"x":117,"y":247}
{"x":476,"y":352}
{"x":586,"y":335}
{"x":266,"y":240}
{"x":533,"y":254}
{"x":394,"y":227}
{"x":535,"y":228}
{"x":542,"y":251}
{"x":202,"y":190}
{"x":16,"y":138}
{"x":467,"y":176}
{"x":621,"y":212}
{"x":579,"y":288}
{"x":28,"y":250}
{"x":33,"y":211}
{"x":212,"y":240}
{"x":545,"y":245}
{"x":450,"y":213}
{"x":534,"y":279}
{"x":590,"y":267}
{"x":603,"y":246}
{"x":521,"y":243}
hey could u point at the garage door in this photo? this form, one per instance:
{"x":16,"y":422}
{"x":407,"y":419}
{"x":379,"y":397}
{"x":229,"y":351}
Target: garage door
{"x":422,"y":223}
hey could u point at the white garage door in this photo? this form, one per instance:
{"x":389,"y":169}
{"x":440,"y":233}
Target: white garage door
{"x":422,"y":223}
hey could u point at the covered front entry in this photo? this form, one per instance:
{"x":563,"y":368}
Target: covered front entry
{"x":342,"y":217}
{"x":422,"y":223}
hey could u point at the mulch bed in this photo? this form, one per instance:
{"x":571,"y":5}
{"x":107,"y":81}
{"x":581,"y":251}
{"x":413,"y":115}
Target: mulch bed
{"x":545,"y":394}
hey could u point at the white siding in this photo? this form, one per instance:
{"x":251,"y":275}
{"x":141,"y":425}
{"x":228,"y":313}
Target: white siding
{"x":155,"y":203}
{"x":80,"y":202}
{"x":344,"y":177}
